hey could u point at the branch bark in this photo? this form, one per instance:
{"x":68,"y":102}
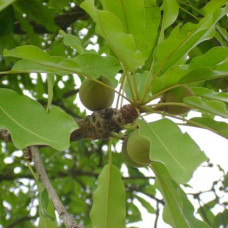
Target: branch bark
{"x":67,"y":219}
{"x":61,"y":20}
{"x":101,"y":124}
{"x":20,"y":220}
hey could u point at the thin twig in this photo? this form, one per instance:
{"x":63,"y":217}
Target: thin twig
{"x":20,"y":220}
{"x":157,"y":215}
{"x":67,"y":219}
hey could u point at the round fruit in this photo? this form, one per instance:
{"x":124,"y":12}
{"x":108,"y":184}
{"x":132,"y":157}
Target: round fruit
{"x":176,"y":95}
{"x":96,"y":96}
{"x":136,"y":149}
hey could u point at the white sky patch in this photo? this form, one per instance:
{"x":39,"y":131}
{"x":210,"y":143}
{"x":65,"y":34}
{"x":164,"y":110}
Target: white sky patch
{"x":60,"y":84}
{"x":28,"y":94}
{"x":17,"y":170}
{"x":92,"y":47}
{"x":8,"y":160}
{"x":17,"y":153}
{"x":94,"y":39}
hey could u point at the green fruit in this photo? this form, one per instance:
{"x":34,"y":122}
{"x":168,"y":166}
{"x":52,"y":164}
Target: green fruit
{"x":96,"y":96}
{"x":136,"y":149}
{"x":176,"y":95}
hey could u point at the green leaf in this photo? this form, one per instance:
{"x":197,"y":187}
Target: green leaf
{"x":180,"y":75}
{"x":173,"y":50}
{"x":23,"y":116}
{"x":141,"y":80}
{"x":211,"y":58}
{"x":168,"y":79}
{"x":44,"y":203}
{"x":73,"y":41}
{"x":221,"y":219}
{"x":58,"y":4}
{"x":26,"y":26}
{"x":146,"y":205}
{"x":178,"y":211}
{"x":209,"y":66}
{"x":111,"y":29}
{"x":152,"y":22}
{"x":206,"y":212}
{"x":217,"y":127}
{"x":5,"y":3}
{"x":134,"y":214}
{"x":170,"y":12}
{"x":108,"y":209}
{"x":51,"y":80}
{"x":29,"y":52}
{"x":164,"y":135}
{"x":132,"y":16}
{"x":46,"y":209}
{"x":40,"y":13}
{"x":213,"y":5}
{"x":211,"y":106}
{"x":210,"y":94}
{"x":36,"y":60}
{"x":201,"y":74}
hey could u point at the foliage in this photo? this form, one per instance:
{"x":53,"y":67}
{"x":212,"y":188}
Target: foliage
{"x":146,"y":47}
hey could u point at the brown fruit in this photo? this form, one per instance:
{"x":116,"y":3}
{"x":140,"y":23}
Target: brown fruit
{"x":176,"y":95}
{"x":96,"y":96}
{"x":136,"y":149}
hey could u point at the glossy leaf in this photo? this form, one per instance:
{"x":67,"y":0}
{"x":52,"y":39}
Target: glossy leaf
{"x":111,"y":29}
{"x":170,"y":12}
{"x":202,"y":74}
{"x":163,"y":135}
{"x":217,"y":127}
{"x":173,"y":50}
{"x":73,"y":41}
{"x":36,"y":60}
{"x":46,"y":209}
{"x":212,"y":58}
{"x":210,"y":94}
{"x":210,"y":106}
{"x":180,"y":75}
{"x":51,"y":80}
{"x":178,"y":211}
{"x":134,"y":19}
{"x":23,"y":116}
{"x":208,"y":66}
{"x":141,"y":80}
{"x":131,"y":15}
{"x":108,"y":209}
{"x":26,"y":26}
{"x":5,"y":3}
{"x":38,"y":12}
{"x":146,"y":205}
{"x":152,"y":22}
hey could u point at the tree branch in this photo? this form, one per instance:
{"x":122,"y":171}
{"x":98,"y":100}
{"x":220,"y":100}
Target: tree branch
{"x":157,"y":215}
{"x":61,"y":20}
{"x":20,"y":220}
{"x":101,"y":124}
{"x":67,"y":219}
{"x":10,"y":175}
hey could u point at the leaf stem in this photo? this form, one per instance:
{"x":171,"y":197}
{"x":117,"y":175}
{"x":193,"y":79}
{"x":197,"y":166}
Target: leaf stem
{"x":130,"y":86}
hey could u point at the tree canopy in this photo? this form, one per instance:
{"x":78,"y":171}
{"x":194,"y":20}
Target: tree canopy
{"x":159,"y":58}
